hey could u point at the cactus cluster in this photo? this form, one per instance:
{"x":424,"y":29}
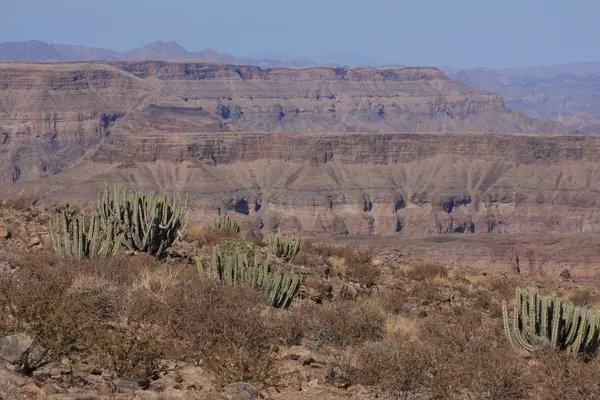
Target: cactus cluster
{"x":286,"y":247}
{"x":228,"y":224}
{"x":538,"y":319}
{"x":235,"y":268}
{"x":149,"y":222}
{"x":82,"y":236}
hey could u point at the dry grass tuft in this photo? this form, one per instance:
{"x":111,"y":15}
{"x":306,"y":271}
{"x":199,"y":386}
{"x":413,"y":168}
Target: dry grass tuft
{"x":195,"y":232}
{"x":398,"y":326}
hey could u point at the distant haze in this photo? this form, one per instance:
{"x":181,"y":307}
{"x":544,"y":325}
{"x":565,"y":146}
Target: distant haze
{"x":461,"y":33}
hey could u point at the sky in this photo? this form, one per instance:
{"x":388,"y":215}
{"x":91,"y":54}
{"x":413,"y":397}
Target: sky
{"x":459,"y":33}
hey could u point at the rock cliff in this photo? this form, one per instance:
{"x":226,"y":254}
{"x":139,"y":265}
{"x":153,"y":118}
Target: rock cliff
{"x":358,"y":184}
{"x":68,"y":128}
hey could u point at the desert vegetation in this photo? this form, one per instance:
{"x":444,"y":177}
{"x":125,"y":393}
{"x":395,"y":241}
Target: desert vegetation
{"x":209,"y":309}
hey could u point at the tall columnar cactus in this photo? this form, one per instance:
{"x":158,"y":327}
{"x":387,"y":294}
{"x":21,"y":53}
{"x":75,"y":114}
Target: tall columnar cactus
{"x":234,"y":268}
{"x":226,"y":223}
{"x":149,"y":222}
{"x":283,"y":246}
{"x":540,"y":319}
{"x":82,"y":236}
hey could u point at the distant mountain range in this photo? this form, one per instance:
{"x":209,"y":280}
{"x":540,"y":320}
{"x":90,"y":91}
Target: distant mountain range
{"x":35,"y":50}
{"x":569,"y":93}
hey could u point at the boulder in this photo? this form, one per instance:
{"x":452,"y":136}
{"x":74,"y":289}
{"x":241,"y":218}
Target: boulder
{"x":13,"y":347}
{"x":241,"y":391}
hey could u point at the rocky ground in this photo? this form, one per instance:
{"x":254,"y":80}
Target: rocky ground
{"x":363,"y":326}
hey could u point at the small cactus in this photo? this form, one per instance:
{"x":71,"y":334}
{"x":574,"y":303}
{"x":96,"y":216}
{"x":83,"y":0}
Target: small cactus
{"x":547,"y":320}
{"x":283,"y":246}
{"x":82,"y":236}
{"x":228,"y":224}
{"x":233,"y":267}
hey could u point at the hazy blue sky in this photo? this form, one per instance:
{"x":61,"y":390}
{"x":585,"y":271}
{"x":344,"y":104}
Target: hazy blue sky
{"x":495,"y":33}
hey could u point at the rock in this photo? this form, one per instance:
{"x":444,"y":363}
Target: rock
{"x":52,"y":389}
{"x":315,"y":289}
{"x":348,"y":292}
{"x":32,"y":391}
{"x":4,"y":233}
{"x":269,"y":392}
{"x":34,"y":241}
{"x":13,"y":347}
{"x":293,"y":353}
{"x":376,"y":262}
{"x":126,"y":385}
{"x":241,"y":391}
{"x":313,"y":384}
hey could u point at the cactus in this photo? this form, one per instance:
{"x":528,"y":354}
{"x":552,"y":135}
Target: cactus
{"x":547,"y":320}
{"x":149,"y":222}
{"x":286,"y":247}
{"x":228,"y":224}
{"x":233,"y":267}
{"x":71,"y":239}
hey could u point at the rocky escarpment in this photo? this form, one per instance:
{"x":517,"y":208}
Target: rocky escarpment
{"x":327,"y":99}
{"x":357,"y":184}
{"x":52,"y":114}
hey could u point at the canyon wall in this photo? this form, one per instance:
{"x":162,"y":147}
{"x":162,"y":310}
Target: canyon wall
{"x":357,"y":184}
{"x":69,"y":127}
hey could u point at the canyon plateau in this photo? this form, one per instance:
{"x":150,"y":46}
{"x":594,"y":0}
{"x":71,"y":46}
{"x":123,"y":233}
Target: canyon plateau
{"x":403,"y":153}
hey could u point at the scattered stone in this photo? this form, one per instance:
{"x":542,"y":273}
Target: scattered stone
{"x":13,"y":347}
{"x":313,"y":384}
{"x":34,"y":241}
{"x":315,"y":289}
{"x":348,"y":292}
{"x":241,"y":391}
{"x":293,"y":353}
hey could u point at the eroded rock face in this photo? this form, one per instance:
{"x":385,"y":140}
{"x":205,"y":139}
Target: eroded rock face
{"x":54,"y":115}
{"x":321,"y":99}
{"x":69,"y":128}
{"x":357,"y":184}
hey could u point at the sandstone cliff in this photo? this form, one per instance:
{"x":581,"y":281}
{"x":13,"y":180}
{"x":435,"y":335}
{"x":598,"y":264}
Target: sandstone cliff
{"x":360,"y":184}
{"x":68,"y":128}
{"x":54,"y":114}
{"x":252,"y":99}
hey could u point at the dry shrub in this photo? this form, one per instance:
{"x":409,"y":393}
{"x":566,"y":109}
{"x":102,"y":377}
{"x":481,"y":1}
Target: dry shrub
{"x":131,"y":350}
{"x":496,"y":375}
{"x":220,"y":325}
{"x":401,"y":326}
{"x":19,"y":203}
{"x":311,"y":255}
{"x":556,"y":375}
{"x":285,"y":325}
{"x":426,"y":271}
{"x":477,"y":280}
{"x":484,"y":301}
{"x":396,"y":300}
{"x":358,"y":264}
{"x":195,"y":231}
{"x":344,"y":323}
{"x":580,"y":297}
{"x":58,"y":321}
{"x":158,"y":281}
{"x":502,"y":286}
{"x":397,"y":367}
{"x":212,"y":236}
